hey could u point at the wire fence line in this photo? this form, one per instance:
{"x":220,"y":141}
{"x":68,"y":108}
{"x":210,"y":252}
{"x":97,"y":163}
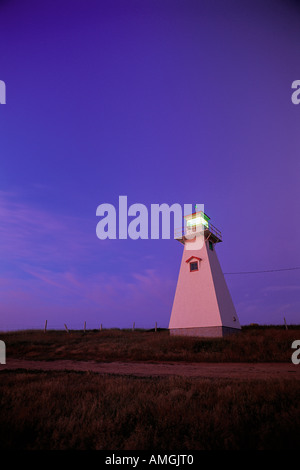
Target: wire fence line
{"x":264,"y":271}
{"x":81,"y":327}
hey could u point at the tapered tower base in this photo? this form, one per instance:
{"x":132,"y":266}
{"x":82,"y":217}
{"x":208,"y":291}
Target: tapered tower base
{"x":205,"y":332}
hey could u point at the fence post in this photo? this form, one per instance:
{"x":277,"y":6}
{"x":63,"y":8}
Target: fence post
{"x":45,"y":328}
{"x":66,"y":328}
{"x":101,"y":327}
{"x":155,"y":326}
{"x":286,"y":327}
{"x":133,"y":326}
{"x":84,"y":328}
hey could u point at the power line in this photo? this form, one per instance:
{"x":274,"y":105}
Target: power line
{"x":265,"y":271}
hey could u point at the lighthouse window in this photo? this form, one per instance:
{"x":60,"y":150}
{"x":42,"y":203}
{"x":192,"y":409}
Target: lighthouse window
{"x":211,"y":246}
{"x":194,"y":266}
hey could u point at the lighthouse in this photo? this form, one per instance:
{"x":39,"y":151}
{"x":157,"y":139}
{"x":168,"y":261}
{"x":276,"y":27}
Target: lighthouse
{"x":202,"y":304}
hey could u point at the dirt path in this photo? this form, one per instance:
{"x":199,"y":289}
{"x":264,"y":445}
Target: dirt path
{"x":147,"y":369}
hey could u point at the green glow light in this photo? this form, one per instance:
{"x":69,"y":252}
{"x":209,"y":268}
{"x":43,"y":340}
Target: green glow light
{"x":197,"y":221}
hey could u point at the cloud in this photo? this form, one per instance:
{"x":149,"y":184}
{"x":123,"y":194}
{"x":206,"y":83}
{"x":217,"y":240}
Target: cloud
{"x":115,"y":300}
{"x":29,"y":233}
{"x":55,"y":265}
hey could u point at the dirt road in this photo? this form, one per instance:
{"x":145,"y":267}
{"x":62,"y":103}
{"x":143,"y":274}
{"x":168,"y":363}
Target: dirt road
{"x":146,"y":369}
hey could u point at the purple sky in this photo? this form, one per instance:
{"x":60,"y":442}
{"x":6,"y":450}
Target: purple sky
{"x":163,"y":101}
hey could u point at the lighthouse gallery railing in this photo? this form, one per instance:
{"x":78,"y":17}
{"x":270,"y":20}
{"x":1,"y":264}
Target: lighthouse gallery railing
{"x":184,"y":230}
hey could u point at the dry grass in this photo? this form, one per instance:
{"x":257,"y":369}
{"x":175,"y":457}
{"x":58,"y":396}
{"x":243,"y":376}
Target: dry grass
{"x":83,"y":410}
{"x":252,"y":344}
{"x":59,"y":410}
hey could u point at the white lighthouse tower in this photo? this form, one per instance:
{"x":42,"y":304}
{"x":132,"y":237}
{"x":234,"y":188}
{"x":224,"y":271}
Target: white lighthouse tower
{"x":202,"y":304}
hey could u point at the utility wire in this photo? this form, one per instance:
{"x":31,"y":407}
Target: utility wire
{"x":265,"y":271}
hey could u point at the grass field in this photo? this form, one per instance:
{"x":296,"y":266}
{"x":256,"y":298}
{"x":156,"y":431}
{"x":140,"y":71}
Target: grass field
{"x":85,"y":410}
{"x":252,"y":344}
{"x":60,"y":410}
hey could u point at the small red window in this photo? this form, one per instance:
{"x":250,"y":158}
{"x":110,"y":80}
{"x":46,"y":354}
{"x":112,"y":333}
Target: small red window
{"x":194,"y":266}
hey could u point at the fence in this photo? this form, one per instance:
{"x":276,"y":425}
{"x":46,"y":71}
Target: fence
{"x":83,"y":327}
